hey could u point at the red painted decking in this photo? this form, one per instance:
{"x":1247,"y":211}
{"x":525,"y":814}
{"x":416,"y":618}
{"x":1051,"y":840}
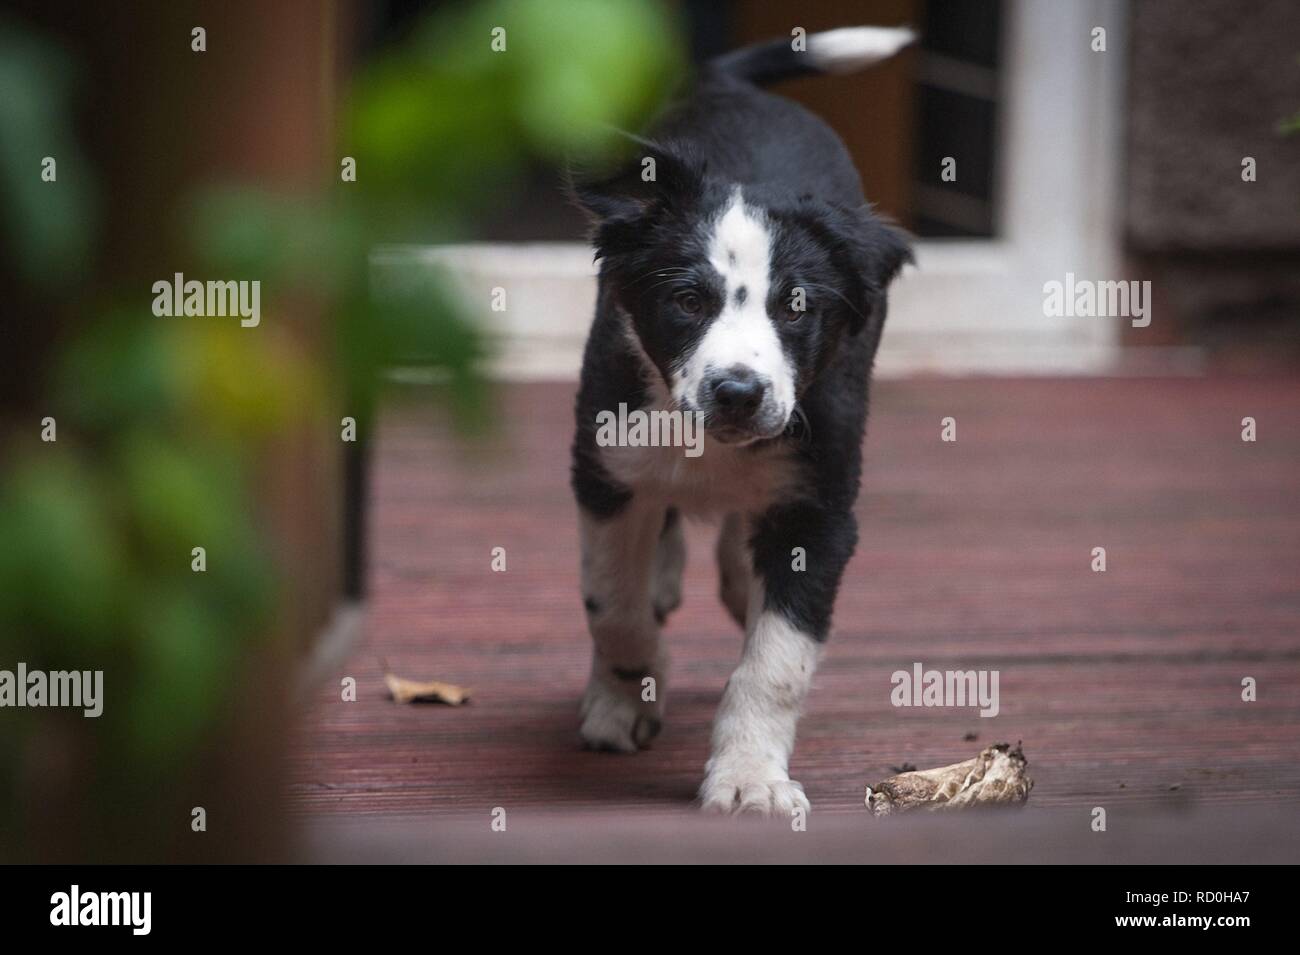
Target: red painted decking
{"x":1125,"y":686}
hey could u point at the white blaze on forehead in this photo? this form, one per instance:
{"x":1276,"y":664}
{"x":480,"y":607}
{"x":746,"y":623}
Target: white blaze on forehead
{"x":740,"y":250}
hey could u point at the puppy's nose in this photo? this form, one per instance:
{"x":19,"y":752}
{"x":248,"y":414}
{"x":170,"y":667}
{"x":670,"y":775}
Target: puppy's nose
{"x":738,"y":392}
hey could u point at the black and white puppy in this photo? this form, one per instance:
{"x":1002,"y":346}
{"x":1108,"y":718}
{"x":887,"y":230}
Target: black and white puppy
{"x":744,"y":282}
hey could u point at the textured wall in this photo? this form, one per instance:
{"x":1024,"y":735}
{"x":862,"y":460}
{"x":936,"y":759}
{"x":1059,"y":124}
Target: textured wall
{"x":1209,"y":80}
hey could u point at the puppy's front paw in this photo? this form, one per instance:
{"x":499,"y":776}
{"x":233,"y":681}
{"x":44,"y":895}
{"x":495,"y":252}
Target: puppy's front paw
{"x":759,"y":788}
{"x":615,"y":718}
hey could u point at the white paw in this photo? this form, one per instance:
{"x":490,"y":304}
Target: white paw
{"x":765,"y":790}
{"x":614,"y":717}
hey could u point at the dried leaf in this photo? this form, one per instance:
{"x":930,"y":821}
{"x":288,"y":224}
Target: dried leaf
{"x":996,"y":777}
{"x":425,"y":691}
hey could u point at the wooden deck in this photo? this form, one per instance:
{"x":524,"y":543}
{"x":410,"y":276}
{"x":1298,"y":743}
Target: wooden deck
{"x":1125,"y":686}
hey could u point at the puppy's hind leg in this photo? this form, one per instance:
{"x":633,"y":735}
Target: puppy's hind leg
{"x":670,"y":563}
{"x":734,"y":567}
{"x":622,"y":709}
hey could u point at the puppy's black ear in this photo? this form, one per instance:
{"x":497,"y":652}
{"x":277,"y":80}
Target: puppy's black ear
{"x":869,"y":252}
{"x":882,"y":251}
{"x":650,"y":174}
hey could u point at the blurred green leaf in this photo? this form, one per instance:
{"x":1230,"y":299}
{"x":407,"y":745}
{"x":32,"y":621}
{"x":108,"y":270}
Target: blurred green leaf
{"x":163,"y":422}
{"x":183,"y":657}
{"x":59,"y":553}
{"x":48,"y":226}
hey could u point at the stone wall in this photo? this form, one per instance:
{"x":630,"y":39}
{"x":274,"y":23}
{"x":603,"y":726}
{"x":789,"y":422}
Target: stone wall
{"x":1209,"y":83}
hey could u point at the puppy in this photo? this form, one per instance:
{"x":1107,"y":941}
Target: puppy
{"x":742,"y":282}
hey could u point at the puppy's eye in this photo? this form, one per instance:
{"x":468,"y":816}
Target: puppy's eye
{"x":795,"y":312}
{"x":796,"y":305}
{"x":689,"y":302}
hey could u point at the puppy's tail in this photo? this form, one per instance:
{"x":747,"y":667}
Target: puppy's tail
{"x":845,"y":50}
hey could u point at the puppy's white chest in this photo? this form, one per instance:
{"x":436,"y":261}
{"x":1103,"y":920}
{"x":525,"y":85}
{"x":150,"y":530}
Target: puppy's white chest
{"x":722,"y":479}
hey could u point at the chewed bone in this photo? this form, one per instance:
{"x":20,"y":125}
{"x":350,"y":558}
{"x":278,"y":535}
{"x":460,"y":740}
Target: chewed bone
{"x":996,"y":777}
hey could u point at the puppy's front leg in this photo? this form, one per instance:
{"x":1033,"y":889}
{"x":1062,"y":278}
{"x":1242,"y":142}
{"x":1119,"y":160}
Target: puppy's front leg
{"x":620,"y":710}
{"x":787,"y":621}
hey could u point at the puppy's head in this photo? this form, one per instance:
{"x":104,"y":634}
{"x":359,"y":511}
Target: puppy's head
{"x":738,"y":296}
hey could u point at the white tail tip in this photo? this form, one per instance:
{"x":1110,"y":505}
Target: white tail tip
{"x":854,"y":48}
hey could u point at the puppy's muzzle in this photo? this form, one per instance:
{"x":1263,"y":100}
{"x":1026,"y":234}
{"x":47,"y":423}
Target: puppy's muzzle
{"x":739,"y":404}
